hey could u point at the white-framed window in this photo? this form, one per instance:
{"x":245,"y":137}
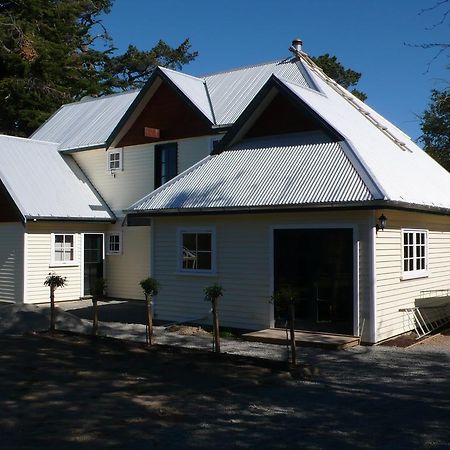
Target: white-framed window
{"x":197,"y":251}
{"x":114,"y":243}
{"x":414,"y":253}
{"x":114,"y":160}
{"x":63,"y":249}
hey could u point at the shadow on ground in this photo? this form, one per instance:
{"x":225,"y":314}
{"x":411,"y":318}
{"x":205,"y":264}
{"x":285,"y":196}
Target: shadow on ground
{"x":73,"y":393}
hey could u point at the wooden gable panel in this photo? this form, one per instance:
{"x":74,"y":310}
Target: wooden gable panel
{"x":283,"y":116}
{"x":171,"y":114}
{"x":8,"y":209}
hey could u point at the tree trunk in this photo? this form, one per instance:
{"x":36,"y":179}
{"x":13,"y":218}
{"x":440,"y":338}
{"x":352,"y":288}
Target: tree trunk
{"x":52,"y":310}
{"x":148,"y":301}
{"x":292,"y":335}
{"x":216,"y":325}
{"x":95,"y":320}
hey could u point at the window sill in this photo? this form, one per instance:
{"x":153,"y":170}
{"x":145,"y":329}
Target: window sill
{"x":413,"y":276}
{"x":72,"y":264}
{"x":197,"y":274}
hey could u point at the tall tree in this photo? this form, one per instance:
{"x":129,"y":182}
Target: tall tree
{"x":436,"y":128}
{"x":345,"y":77}
{"x":49,"y":55}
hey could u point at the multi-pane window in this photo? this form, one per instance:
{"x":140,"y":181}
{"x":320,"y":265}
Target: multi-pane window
{"x":414,"y":253}
{"x":114,"y":160}
{"x":63,"y":248}
{"x":166,"y":156}
{"x":197,"y":251}
{"x":114,"y":243}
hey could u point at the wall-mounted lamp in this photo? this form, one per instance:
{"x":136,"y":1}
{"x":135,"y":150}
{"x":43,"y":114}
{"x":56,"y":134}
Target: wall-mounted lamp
{"x":381,"y":224}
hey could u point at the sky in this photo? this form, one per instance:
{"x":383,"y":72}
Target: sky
{"x":374,"y":37}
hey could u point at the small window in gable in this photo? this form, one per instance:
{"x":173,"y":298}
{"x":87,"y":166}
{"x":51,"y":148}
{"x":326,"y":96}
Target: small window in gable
{"x":214,"y":142}
{"x":114,"y":160}
{"x":415,"y":253}
{"x":114,"y":243}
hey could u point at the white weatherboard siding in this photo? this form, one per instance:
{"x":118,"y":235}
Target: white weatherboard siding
{"x":39,"y":259}
{"x":244,"y":265}
{"x":394,"y":293}
{"x":125,"y":271}
{"x":11,"y":262}
{"x":137,"y":177}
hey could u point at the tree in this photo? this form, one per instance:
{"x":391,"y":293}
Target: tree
{"x":150,"y":287}
{"x":49,"y":55}
{"x":212,"y":295}
{"x":435,"y":125}
{"x":54,"y":281}
{"x":345,"y":77}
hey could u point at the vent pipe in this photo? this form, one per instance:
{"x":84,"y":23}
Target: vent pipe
{"x":297,"y":46}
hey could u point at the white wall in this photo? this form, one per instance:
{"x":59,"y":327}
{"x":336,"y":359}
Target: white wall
{"x":11,"y":262}
{"x":137,"y":177}
{"x":393,"y":293}
{"x":38,"y":260}
{"x":244,"y":256}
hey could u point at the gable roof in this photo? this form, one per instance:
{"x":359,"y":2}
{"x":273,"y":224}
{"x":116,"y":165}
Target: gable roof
{"x":47,"y":185}
{"x":219,"y":97}
{"x":284,"y":170}
{"x":87,"y":123}
{"x":382,"y":163}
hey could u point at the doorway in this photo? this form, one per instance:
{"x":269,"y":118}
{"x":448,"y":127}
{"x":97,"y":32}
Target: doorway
{"x":93,"y":261}
{"x":316,"y":264}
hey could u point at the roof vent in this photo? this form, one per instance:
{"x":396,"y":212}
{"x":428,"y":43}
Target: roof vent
{"x":297,"y":46}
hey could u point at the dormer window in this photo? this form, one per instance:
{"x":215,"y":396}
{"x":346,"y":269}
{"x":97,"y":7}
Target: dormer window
{"x":114,"y":160}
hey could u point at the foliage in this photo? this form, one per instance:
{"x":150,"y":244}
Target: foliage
{"x":55,"y":281}
{"x":435,"y":126}
{"x":345,"y":77}
{"x":213,"y":292}
{"x":56,"y":51}
{"x":150,"y":286}
{"x":98,"y":288}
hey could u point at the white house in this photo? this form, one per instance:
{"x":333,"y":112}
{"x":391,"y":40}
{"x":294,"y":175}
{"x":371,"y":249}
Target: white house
{"x":291,"y":195}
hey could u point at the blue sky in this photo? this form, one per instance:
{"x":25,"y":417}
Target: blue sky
{"x":368,"y":36}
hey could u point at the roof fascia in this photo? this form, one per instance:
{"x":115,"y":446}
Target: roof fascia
{"x":259,"y":104}
{"x":349,"y":206}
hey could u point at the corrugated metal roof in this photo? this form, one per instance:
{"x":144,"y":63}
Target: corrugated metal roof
{"x":87,"y":123}
{"x":232,"y":91}
{"x":285,"y":170}
{"x":405,"y":175}
{"x":194,"y":88}
{"x":220,"y":97}
{"x":45,"y":184}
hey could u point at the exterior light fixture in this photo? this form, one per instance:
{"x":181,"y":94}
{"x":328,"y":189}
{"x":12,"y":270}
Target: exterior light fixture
{"x":381,"y":224}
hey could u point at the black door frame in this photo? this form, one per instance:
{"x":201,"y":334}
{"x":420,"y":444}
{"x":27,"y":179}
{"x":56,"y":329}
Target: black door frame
{"x":319,"y":225}
{"x":82,"y":294}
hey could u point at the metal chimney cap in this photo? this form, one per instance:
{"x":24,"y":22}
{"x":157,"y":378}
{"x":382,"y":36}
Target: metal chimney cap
{"x":297,"y":45}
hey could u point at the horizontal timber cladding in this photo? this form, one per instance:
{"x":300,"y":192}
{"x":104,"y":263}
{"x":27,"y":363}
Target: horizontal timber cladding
{"x":38,"y":261}
{"x":125,"y":270}
{"x":244,"y":265}
{"x":136,"y":180}
{"x":393,"y":292}
{"x":11,"y":262}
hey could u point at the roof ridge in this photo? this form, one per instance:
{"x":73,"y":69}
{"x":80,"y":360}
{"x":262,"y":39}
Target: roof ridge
{"x":350,"y":99}
{"x":249,"y":66}
{"x":28,"y":139}
{"x":181,"y":73}
{"x":102,"y":97}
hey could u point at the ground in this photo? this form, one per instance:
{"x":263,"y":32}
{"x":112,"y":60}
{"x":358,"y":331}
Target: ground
{"x":71,"y":392}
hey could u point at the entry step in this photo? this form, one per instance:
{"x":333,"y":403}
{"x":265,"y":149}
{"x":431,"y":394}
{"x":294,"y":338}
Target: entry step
{"x":303,"y":338}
